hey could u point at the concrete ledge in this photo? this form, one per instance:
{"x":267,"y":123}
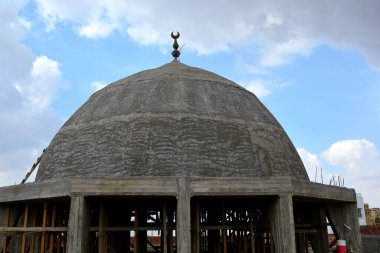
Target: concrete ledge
{"x":321,"y":191}
{"x":240,"y":186}
{"x":169,"y":186}
{"x":32,"y":191}
{"x":136,"y":186}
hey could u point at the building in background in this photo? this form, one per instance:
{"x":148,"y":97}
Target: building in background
{"x":372,"y":215}
{"x":361,"y":209}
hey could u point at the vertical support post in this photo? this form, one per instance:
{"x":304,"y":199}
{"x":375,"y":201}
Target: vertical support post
{"x":251,"y":233}
{"x":42,"y":249}
{"x":102,"y":234}
{"x":224,"y":231}
{"x":52,"y":225}
{"x":25,"y":225}
{"x":78,"y":225}
{"x":164,"y":229}
{"x":6,"y":224}
{"x":32,"y":243}
{"x":136,"y":239}
{"x":282,"y":220}
{"x":183,"y":211}
{"x":323,"y":231}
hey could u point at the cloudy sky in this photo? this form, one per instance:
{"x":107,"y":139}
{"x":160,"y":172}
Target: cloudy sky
{"x":314,"y":64}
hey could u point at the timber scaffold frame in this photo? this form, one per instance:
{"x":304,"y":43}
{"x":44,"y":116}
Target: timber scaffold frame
{"x":35,"y":227}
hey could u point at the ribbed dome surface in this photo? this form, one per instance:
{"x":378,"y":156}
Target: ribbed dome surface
{"x":174,"y":120}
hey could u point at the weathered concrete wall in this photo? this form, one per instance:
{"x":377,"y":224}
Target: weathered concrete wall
{"x":346,"y":221}
{"x":281,"y":214}
{"x":78,"y":225}
{"x":371,"y":243}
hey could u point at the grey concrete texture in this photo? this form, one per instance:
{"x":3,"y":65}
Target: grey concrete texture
{"x":371,"y":243}
{"x":174,"y":120}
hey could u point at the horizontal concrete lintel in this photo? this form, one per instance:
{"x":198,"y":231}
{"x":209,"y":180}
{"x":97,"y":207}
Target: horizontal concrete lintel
{"x":135,"y":186}
{"x":321,"y":191}
{"x":240,"y":186}
{"x":168,"y":186}
{"x":37,"y":190}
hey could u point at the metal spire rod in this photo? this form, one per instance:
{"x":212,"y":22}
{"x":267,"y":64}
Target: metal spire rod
{"x":175,"y":52}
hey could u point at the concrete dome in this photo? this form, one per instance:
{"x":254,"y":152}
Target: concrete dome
{"x":174,"y":120}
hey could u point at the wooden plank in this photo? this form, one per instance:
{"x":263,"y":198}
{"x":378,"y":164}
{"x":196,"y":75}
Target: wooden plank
{"x":34,"y":235}
{"x":52,"y":225}
{"x":197,"y":231}
{"x":136,"y":238}
{"x":59,"y":234}
{"x":6,"y":224}
{"x":164,"y":229}
{"x":251,"y":233}
{"x":25,"y":225}
{"x":4,"y":230}
{"x":322,"y":230}
{"x":224,"y":231}
{"x":43,"y":235}
{"x":102,"y":232}
{"x":245,"y":242}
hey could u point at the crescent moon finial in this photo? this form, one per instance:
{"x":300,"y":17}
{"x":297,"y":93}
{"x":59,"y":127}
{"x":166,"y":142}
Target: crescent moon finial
{"x":175,"y":52}
{"x":175,"y":36}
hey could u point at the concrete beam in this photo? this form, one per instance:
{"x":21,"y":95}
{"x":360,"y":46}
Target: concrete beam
{"x":146,"y":186}
{"x":321,"y":191}
{"x":240,"y":186}
{"x":31,"y":191}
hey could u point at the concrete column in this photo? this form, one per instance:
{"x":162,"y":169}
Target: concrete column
{"x":78,"y":225}
{"x":345,"y":218}
{"x":281,"y":214}
{"x":183,"y":217}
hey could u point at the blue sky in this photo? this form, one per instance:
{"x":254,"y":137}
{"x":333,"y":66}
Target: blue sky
{"x":314,"y":64}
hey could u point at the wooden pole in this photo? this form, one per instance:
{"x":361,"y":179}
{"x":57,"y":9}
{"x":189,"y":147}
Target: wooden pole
{"x":32,"y":243}
{"x":42,"y":250}
{"x":164,"y":230}
{"x":25,"y":225}
{"x":59,"y":234}
{"x":197,"y":231}
{"x":52,"y":225}
{"x":102,"y":234}
{"x":224,"y":231}
{"x":6,"y":224}
{"x":251,"y":233}
{"x":136,"y":241}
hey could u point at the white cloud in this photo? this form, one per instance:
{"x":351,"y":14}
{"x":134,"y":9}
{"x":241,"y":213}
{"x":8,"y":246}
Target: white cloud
{"x":96,"y":85}
{"x":289,"y":28}
{"x":259,"y":87}
{"x":282,"y":53}
{"x":357,"y":156}
{"x":249,"y":68}
{"x":43,"y":83}
{"x":264,"y":87}
{"x":311,"y":162}
{"x":27,"y":120}
{"x":96,"y":30}
{"x":361,"y":160}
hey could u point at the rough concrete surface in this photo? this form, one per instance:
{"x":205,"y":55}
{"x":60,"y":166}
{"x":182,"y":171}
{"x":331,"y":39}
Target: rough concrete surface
{"x":172,"y":121}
